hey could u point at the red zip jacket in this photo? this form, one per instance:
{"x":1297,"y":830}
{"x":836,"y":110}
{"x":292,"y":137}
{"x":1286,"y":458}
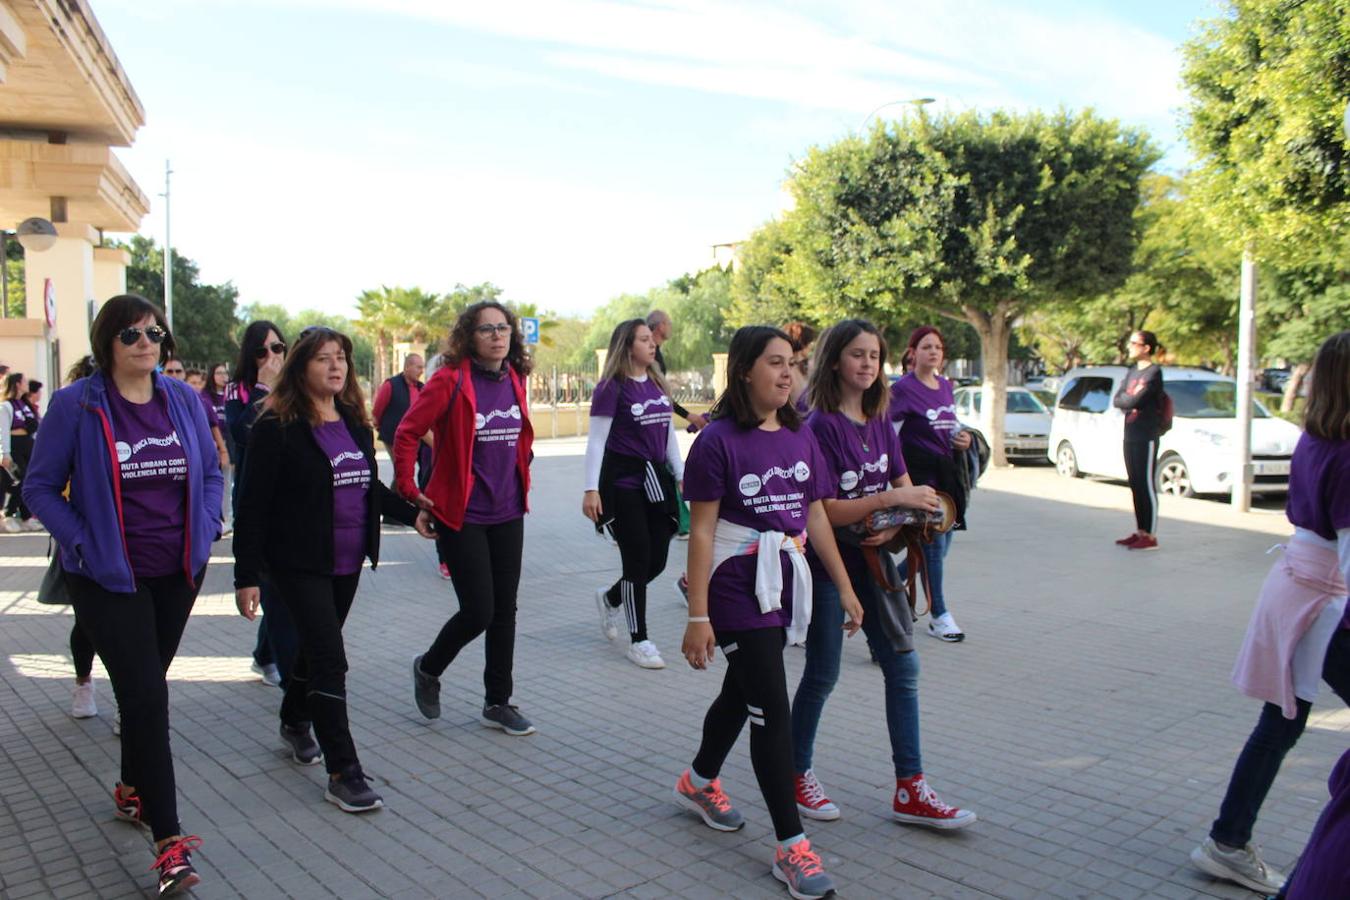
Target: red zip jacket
{"x":453,"y":430}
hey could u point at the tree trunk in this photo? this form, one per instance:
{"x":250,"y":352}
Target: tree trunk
{"x":1296,"y":376}
{"x":993,"y":329}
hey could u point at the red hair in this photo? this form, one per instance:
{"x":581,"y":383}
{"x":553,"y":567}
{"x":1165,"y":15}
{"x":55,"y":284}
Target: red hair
{"x":916,"y":336}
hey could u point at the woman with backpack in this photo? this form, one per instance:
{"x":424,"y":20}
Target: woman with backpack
{"x":1141,"y":397}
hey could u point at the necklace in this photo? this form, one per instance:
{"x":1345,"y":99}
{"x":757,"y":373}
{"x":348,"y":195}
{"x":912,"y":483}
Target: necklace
{"x":862,"y":436}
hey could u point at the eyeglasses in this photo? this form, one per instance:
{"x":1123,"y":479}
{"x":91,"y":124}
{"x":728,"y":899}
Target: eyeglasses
{"x":154,"y":334}
{"x":276,"y":347}
{"x":488,"y":330}
{"x":1134,"y":343}
{"x":173,"y":370}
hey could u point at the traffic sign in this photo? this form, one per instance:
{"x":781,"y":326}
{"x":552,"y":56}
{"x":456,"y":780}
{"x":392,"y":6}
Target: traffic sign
{"x":530,"y":326}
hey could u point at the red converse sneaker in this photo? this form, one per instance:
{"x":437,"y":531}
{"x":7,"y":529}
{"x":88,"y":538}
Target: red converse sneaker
{"x":916,"y":803}
{"x":811,"y":800}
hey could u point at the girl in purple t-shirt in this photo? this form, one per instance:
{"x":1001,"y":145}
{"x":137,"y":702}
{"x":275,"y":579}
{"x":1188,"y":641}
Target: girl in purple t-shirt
{"x":924,"y":415}
{"x":866,"y":473}
{"x":632,"y":467}
{"x":1299,"y":633}
{"x":754,"y":488}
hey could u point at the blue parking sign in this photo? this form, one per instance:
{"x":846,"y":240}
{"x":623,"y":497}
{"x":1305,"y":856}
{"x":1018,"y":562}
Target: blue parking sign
{"x":530,"y":326}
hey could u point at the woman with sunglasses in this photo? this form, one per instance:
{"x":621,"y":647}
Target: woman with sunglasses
{"x":262,"y":350}
{"x":134,"y":537}
{"x":309,"y":515}
{"x":18,"y":424}
{"x":1141,"y":397}
{"x":633,"y":465}
{"x":476,"y":407}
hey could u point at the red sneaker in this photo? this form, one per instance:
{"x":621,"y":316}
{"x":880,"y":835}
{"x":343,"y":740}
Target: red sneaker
{"x":128,"y":804}
{"x":811,"y":800}
{"x":1127,"y":541}
{"x":916,"y":803}
{"x":445,"y":571}
{"x":1143,"y":542}
{"x":176,"y":874}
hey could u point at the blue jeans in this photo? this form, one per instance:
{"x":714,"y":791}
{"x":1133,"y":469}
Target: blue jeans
{"x":824,"y":647}
{"x":933,"y":555}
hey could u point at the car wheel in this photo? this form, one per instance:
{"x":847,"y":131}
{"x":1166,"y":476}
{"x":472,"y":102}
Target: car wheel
{"x":1173,"y":477}
{"x":1066,"y":461}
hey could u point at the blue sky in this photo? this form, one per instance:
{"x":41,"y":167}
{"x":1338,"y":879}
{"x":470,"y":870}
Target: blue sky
{"x":566,"y":150}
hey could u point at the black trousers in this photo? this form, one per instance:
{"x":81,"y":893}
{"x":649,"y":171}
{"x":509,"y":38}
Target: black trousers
{"x":1272,"y":738}
{"x":317,"y":688}
{"x":755,"y":688}
{"x":136,"y":636}
{"x":1141,"y":467}
{"x":484,"y":563}
{"x":643,"y":532}
{"x":21,"y":451}
{"x":81,"y":651}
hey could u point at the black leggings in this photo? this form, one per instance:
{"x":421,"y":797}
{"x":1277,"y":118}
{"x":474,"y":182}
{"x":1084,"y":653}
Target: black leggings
{"x":21,"y":451}
{"x":484,"y":563}
{"x":643,"y":531}
{"x":755,"y":687}
{"x":136,"y":636}
{"x":1141,"y":467}
{"x":81,"y":651}
{"x":317,"y":688}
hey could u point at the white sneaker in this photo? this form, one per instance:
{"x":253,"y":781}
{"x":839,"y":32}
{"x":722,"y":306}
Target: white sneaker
{"x":267,"y":673}
{"x":644,"y":654}
{"x":609,"y":615}
{"x":1242,"y":866}
{"x":944,"y":628}
{"x":31,"y":525}
{"x":85,"y":704}
{"x":11,"y":525}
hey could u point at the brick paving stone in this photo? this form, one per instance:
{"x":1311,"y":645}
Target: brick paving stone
{"x":1087,"y":719}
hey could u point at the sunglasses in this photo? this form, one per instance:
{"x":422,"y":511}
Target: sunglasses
{"x":154,"y":334}
{"x":174,"y":370}
{"x":276,"y":347}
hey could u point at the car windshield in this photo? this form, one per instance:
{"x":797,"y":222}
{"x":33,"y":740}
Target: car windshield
{"x":1018,"y":402}
{"x":1208,"y":400}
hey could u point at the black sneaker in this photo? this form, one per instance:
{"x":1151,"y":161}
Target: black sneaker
{"x":174,"y":862}
{"x":426,"y":691}
{"x":304,"y":749}
{"x":508,"y":719}
{"x":351,"y":793}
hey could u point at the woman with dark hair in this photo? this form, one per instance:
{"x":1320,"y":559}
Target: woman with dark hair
{"x":754,"y":486}
{"x":1141,"y":396}
{"x":134,"y":536}
{"x":309,"y":513}
{"x":18,"y":424}
{"x":262,"y":351}
{"x":923,"y":412}
{"x":803,"y":338}
{"x":865,"y":469}
{"x":633,"y":466}
{"x":217,"y":380}
{"x":1300,"y":630}
{"x":476,"y":407}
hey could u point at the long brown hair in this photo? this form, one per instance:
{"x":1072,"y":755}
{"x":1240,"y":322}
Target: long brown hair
{"x":747,"y":346}
{"x":620,"y":346}
{"x":13,"y":382}
{"x":1327,"y":414}
{"x":459,"y":345}
{"x":290,"y":399}
{"x":822,"y":389}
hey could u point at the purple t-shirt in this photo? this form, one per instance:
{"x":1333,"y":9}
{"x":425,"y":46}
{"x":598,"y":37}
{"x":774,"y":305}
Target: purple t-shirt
{"x":925,"y":417}
{"x":641,"y":414}
{"x":351,"y":480}
{"x":25,"y":416}
{"x":153,"y":474}
{"x":212,"y":417}
{"x":765,"y":480}
{"x":496,"y":496}
{"x":860,"y":459}
{"x":1319,"y":489}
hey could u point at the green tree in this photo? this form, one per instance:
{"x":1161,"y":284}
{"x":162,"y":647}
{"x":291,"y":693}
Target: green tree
{"x":1268,"y":84}
{"x":204,"y":320}
{"x":13,"y":274}
{"x":697,"y":305}
{"x":978,"y":218}
{"x":762,"y":290}
{"x":1302,"y":306}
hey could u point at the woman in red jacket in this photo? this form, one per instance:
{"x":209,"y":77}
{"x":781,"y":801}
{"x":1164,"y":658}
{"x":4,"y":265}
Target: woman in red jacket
{"x":475,"y":406}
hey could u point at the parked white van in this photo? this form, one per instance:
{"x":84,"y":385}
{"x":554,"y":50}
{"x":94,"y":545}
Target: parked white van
{"x":1195,"y":457}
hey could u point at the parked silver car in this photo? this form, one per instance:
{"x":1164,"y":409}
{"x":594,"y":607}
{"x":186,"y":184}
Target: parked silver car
{"x":1026,"y":428}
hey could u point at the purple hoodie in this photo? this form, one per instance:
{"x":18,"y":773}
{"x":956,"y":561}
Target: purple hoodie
{"x":76,"y":445}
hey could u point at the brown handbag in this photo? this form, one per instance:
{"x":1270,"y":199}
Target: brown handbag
{"x":917,"y":527}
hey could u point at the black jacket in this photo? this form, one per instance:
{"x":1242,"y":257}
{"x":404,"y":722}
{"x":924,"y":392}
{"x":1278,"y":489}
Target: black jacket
{"x":1141,"y":397}
{"x":285,"y":515}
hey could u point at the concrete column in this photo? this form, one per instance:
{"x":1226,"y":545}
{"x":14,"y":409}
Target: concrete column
{"x":601,"y":357}
{"x":110,"y":274}
{"x":70,"y":266}
{"x":719,"y":380}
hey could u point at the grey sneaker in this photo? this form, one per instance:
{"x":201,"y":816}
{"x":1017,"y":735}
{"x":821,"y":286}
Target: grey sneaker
{"x":609,"y":615}
{"x":351,"y":793}
{"x":267,"y":672}
{"x":1243,"y":866}
{"x":508,"y":719}
{"x":304,"y":749}
{"x":426,"y":691}
{"x":799,"y":868}
{"x":711,"y":803}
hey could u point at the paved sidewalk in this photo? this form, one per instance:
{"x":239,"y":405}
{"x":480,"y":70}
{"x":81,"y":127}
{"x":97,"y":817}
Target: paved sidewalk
{"x":1088,"y":719}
